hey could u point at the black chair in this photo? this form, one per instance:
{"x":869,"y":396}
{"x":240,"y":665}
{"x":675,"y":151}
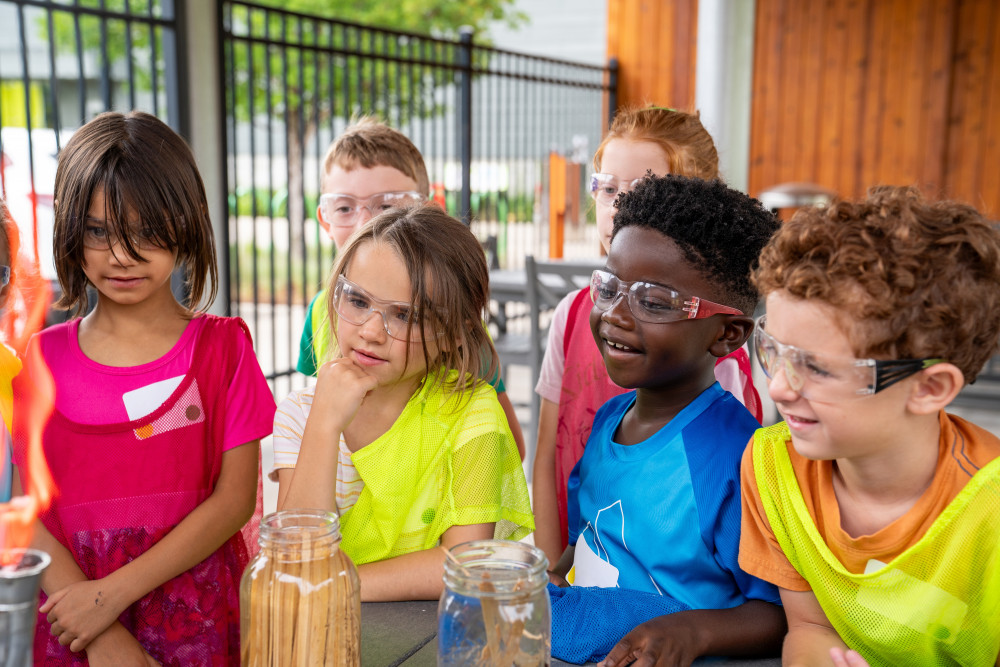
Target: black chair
{"x":545,"y":284}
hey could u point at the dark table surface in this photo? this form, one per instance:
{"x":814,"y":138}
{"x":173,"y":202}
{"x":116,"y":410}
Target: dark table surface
{"x":405,"y":633}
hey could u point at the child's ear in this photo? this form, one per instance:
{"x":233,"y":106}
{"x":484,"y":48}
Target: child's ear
{"x":735,"y":331}
{"x":935,"y":387}
{"x":323,"y":223}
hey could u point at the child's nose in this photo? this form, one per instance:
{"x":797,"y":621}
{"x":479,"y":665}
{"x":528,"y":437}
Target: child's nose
{"x":779,"y":387}
{"x":374,"y":327}
{"x":619,"y":312}
{"x":118,"y":255}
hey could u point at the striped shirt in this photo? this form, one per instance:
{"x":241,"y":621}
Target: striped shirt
{"x":289,"y":424}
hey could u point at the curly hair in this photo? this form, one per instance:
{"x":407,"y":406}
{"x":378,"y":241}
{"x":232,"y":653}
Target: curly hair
{"x":721,"y":231}
{"x":680,"y":135}
{"x":449,"y":279}
{"x":910,"y":279}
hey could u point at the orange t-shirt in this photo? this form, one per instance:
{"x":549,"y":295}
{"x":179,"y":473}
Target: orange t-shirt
{"x":963,"y":449}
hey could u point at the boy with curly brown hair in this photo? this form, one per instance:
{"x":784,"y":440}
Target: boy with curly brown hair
{"x":871,"y":508}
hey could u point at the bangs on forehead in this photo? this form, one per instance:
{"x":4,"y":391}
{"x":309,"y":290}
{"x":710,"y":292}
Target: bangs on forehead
{"x":132,"y":196}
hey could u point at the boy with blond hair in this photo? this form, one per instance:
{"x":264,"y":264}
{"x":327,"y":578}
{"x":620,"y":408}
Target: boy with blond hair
{"x":871,"y":508}
{"x":368,"y":169}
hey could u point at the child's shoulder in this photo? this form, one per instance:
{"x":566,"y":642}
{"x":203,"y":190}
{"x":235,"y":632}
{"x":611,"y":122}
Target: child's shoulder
{"x":228,"y":333}
{"x":734,"y":416}
{"x":968,"y":442}
{"x":721,"y":427}
{"x":476,"y":408}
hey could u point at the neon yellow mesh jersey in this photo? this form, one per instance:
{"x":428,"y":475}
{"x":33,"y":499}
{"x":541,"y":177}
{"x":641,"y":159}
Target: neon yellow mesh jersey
{"x":937,"y":603}
{"x":445,"y":462}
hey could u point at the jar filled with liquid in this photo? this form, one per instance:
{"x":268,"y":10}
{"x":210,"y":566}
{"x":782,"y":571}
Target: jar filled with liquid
{"x":494,"y":610}
{"x":300,"y":597}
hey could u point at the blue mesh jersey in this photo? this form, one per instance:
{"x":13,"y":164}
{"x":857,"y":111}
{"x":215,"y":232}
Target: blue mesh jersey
{"x":663,"y":515}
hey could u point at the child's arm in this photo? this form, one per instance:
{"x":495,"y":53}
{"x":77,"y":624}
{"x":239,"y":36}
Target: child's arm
{"x":62,"y":570}
{"x":558,"y":572}
{"x":83,"y":610}
{"x":115,"y":643}
{"x":512,"y":422}
{"x":753,"y":628}
{"x":416,"y":575}
{"x":543,"y":484}
{"x":341,"y":386}
{"x":117,"y":646}
{"x":842,"y":658}
{"x":810,"y":634}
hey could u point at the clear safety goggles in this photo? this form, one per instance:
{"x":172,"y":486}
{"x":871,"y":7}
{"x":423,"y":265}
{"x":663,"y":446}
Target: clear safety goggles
{"x":650,"y":302}
{"x":343,"y":210}
{"x":605,"y":188}
{"x":400,"y":320}
{"x":826,"y":378}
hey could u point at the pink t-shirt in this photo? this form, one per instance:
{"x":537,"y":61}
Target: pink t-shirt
{"x":122,"y":394}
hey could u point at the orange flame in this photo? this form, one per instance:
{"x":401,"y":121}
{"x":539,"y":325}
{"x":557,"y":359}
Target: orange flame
{"x":29,"y":295}
{"x":28,"y":300}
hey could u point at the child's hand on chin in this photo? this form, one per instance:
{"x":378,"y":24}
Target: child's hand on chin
{"x":663,"y":641}
{"x":842,"y":658}
{"x":341,"y":387}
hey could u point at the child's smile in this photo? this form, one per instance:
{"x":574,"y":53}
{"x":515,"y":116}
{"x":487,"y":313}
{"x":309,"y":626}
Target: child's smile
{"x":655,"y":354}
{"x":826,"y":430}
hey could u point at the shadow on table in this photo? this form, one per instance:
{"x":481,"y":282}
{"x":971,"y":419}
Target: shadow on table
{"x":405,"y":633}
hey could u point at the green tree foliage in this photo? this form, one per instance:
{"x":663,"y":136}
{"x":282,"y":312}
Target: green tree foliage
{"x":305,"y":87}
{"x":440,"y":18}
{"x":300,"y":71}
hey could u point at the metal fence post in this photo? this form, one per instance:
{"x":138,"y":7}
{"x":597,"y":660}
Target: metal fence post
{"x":612,"y":89}
{"x":465,"y":121}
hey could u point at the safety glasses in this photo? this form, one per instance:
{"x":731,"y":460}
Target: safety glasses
{"x":605,"y":188}
{"x":343,"y":210}
{"x":650,"y":302}
{"x":826,"y":378}
{"x":400,"y":320}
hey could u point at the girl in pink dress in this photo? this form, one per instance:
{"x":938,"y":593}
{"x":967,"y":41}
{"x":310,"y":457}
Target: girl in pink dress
{"x":573,"y":382}
{"x":159,"y":410}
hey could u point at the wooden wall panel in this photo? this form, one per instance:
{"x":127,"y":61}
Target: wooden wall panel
{"x":850,"y":93}
{"x":655,"y":44}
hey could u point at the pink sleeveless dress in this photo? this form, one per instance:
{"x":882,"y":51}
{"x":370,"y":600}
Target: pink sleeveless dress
{"x":122,"y":487}
{"x":586,"y":387}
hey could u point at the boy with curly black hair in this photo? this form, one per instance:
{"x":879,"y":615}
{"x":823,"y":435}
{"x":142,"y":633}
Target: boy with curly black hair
{"x":654,"y":503}
{"x":872,"y":509}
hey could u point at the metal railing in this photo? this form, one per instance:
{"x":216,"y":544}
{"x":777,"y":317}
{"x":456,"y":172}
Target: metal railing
{"x":485,"y":120}
{"x":61,"y":63}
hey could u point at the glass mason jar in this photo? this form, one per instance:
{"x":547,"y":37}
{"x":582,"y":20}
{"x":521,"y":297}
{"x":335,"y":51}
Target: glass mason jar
{"x":300,"y":597}
{"x":494,"y":609}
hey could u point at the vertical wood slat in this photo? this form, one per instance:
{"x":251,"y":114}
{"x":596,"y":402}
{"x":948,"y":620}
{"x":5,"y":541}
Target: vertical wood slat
{"x":850,"y":93}
{"x":969,"y":112}
{"x":991,"y":134}
{"x":833,"y":95}
{"x":655,"y":44}
{"x":764,"y":120}
{"x":940,"y":45}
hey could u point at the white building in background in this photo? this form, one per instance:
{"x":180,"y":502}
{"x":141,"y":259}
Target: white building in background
{"x":565,"y":29}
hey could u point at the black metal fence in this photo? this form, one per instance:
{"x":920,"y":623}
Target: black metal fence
{"x":485,"y":119}
{"x":60,"y":64}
